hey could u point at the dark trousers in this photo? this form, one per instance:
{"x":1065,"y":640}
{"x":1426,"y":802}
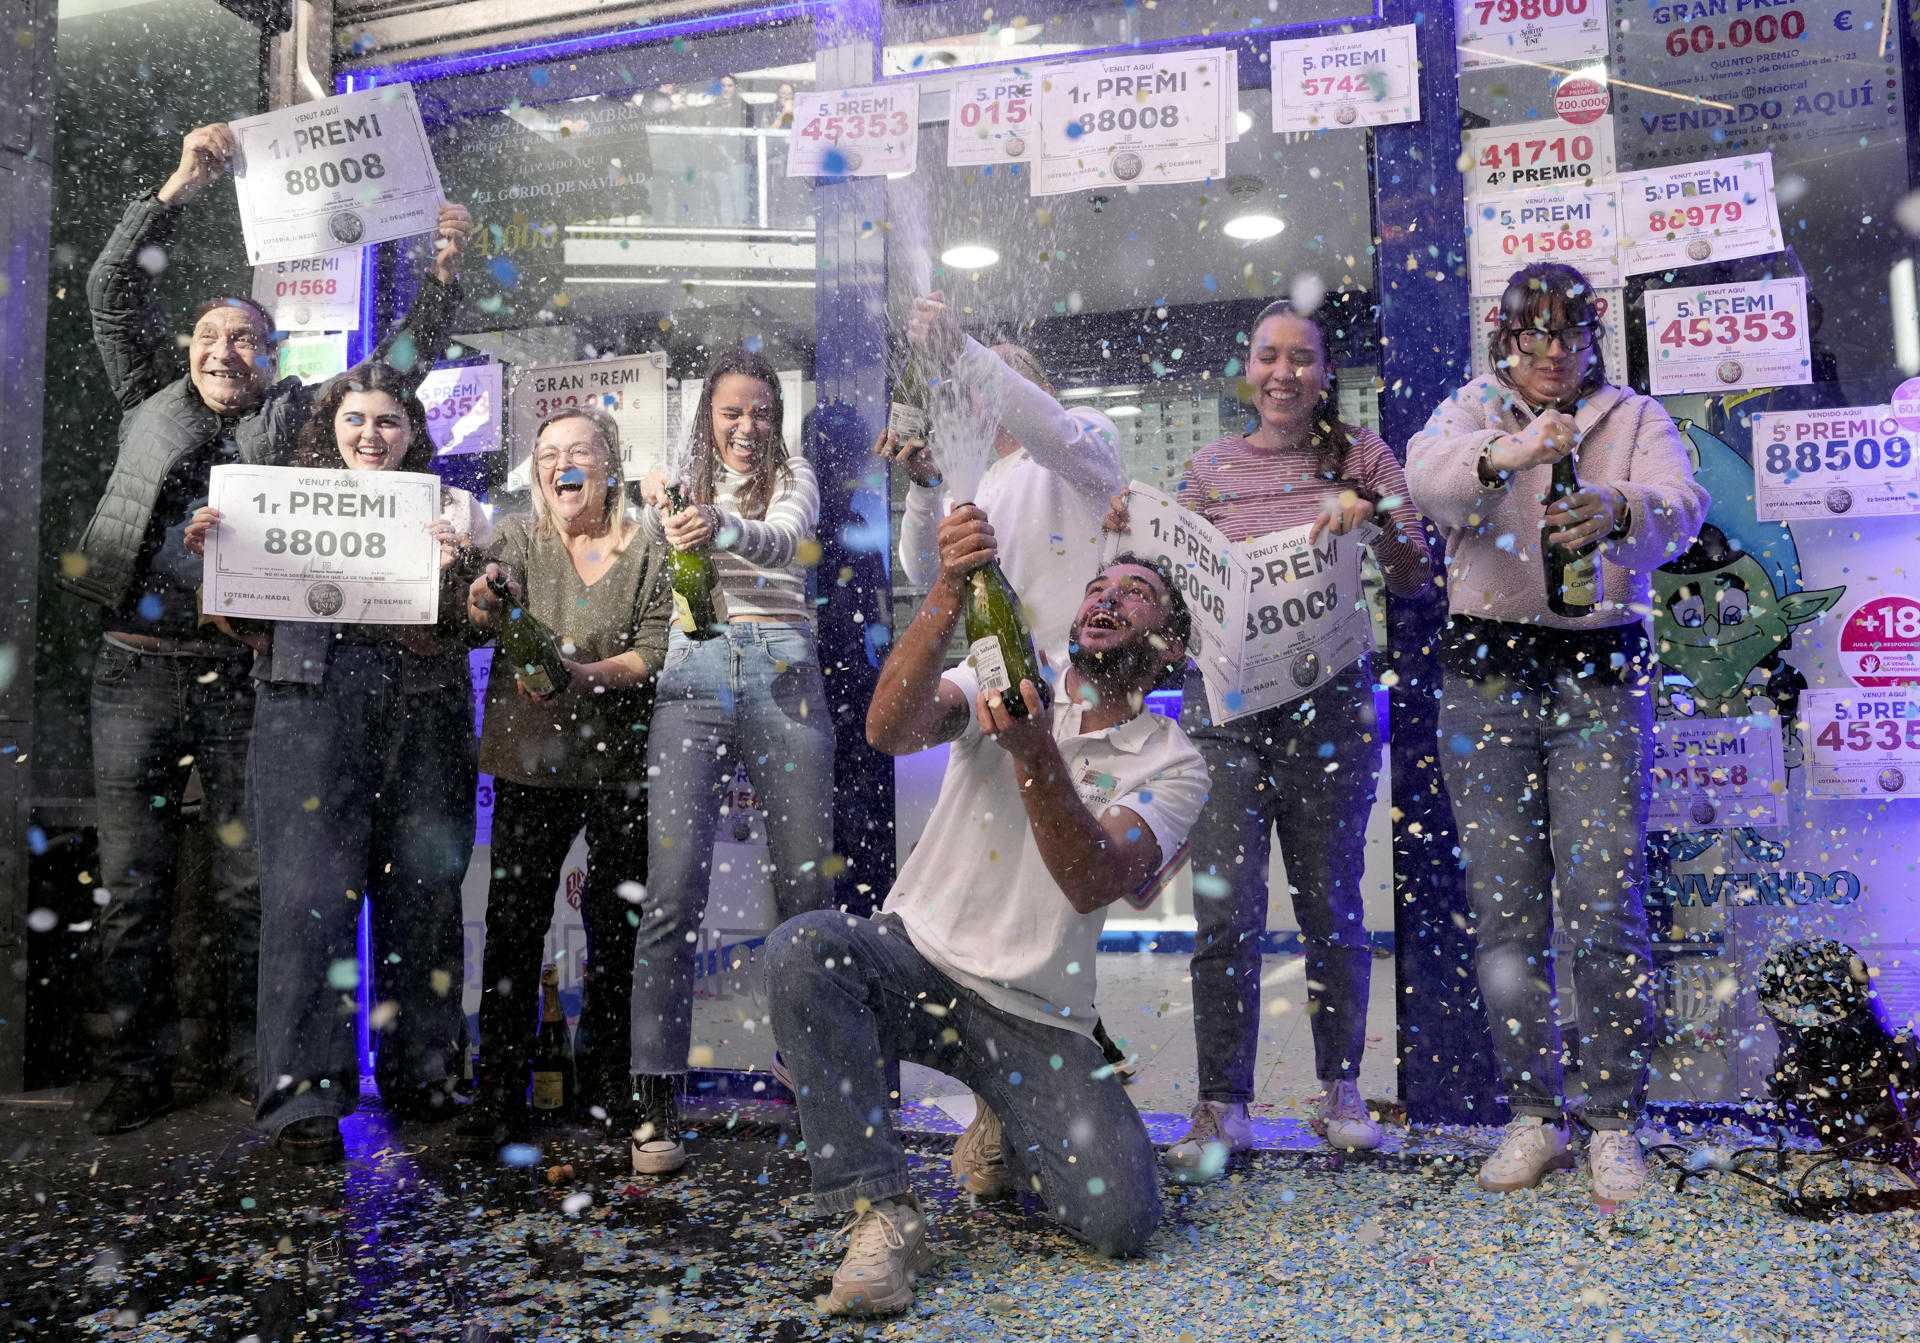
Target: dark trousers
{"x":360,"y":790}
{"x":155,"y":719}
{"x":533,"y":827}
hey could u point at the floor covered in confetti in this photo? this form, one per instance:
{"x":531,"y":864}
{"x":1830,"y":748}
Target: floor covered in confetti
{"x":193,"y":1230}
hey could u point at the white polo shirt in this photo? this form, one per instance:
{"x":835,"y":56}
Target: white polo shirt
{"x":976,"y":895}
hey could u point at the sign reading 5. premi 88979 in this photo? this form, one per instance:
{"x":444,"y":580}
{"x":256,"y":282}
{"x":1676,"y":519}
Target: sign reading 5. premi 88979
{"x":343,"y":172}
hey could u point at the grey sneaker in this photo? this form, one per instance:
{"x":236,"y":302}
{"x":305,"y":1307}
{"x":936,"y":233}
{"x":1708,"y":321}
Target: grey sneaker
{"x":1342,"y":1118}
{"x":1528,"y":1150}
{"x":1219,"y":1131}
{"x":886,"y":1251}
{"x":1616,"y":1165}
{"x":980,"y":1155}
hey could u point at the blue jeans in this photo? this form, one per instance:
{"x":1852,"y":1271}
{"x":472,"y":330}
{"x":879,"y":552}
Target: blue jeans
{"x":850,"y":994}
{"x":1549,"y":792}
{"x":752,"y":695}
{"x":1270,"y":772}
{"x":154,"y":719}
{"x":359,"y":790}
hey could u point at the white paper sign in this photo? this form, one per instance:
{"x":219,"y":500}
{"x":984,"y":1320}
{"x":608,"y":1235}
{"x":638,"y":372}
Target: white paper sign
{"x":321,"y":293}
{"x":1698,"y":212}
{"x":1307,"y":619}
{"x":1133,"y":121}
{"x":991,"y":119}
{"x":1853,"y":462}
{"x":863,"y":132}
{"x":632,"y":389}
{"x":463,"y":408}
{"x":350,"y":547}
{"x":1716,"y":338}
{"x":1528,"y":32}
{"x":342,"y":172}
{"x":1349,"y":79}
{"x":1862,"y":743}
{"x":1712,"y":773}
{"x":1611,"y":306}
{"x":1576,"y":225}
{"x":1538,"y":154}
{"x":1209,"y":568}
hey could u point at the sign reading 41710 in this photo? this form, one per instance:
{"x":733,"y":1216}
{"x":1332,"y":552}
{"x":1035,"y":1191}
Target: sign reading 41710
{"x":343,"y":172}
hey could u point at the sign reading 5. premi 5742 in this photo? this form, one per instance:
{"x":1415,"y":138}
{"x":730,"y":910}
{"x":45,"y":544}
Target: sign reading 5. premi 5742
{"x":343,"y":172}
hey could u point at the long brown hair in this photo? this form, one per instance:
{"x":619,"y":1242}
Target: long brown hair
{"x":1531,"y":298}
{"x":1330,"y":439}
{"x":704,"y":454}
{"x":315,"y":446}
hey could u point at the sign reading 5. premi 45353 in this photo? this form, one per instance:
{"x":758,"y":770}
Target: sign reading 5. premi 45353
{"x":1852,"y":462}
{"x":342,"y":172}
{"x":1721,"y":337}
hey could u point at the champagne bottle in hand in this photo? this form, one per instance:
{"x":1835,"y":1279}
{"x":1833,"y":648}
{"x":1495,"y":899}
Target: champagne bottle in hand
{"x":530,"y":647}
{"x":1573,"y":576}
{"x":694,"y":609}
{"x":999,"y":645}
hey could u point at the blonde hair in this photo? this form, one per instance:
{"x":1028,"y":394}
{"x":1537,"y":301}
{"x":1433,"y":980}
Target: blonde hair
{"x":619,"y":524}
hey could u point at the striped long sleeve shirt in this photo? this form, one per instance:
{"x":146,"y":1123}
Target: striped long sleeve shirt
{"x":761,"y":563}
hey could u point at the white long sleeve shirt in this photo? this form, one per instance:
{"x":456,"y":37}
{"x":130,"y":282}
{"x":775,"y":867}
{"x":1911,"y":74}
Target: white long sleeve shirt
{"x":1046,"y":502}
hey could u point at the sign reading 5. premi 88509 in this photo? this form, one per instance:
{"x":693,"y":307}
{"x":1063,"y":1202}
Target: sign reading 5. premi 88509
{"x":342,"y":172}
{"x":1855,"y":461}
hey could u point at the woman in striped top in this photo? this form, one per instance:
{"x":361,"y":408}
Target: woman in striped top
{"x":748,"y":690}
{"x":1306,"y":768}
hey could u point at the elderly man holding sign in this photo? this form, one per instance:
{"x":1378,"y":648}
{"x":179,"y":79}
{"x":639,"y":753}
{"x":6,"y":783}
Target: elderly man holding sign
{"x":166,"y":689}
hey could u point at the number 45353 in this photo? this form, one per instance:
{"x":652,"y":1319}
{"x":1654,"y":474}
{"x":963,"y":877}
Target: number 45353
{"x":1885,"y":735}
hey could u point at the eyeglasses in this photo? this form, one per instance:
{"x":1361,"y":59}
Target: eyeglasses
{"x":1573,"y":339}
{"x":579,"y":455}
{"x":246,"y":342}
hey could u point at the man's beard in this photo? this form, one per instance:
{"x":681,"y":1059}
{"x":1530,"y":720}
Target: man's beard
{"x":1129,"y":667}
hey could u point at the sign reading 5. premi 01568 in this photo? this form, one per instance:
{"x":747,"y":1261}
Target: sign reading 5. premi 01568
{"x":343,"y":172}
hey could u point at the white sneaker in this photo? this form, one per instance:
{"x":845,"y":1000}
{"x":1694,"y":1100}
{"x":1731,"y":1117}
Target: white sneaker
{"x":1616,"y":1164}
{"x":886,"y":1251}
{"x":980,"y":1156}
{"x":1344,"y":1120}
{"x":1219,"y":1131}
{"x":1528,"y":1150}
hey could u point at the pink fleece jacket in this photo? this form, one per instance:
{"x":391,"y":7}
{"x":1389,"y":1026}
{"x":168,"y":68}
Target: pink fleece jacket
{"x":1494,"y":567}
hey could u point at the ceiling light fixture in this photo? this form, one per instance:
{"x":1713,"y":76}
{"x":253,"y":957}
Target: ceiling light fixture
{"x":1121,"y":412}
{"x":1080,"y":393}
{"x":1253,"y":227}
{"x":970,"y":256}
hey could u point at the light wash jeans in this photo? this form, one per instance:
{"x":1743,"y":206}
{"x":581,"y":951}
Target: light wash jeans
{"x":1549,"y":793}
{"x":753,"y":694}
{"x":1308,"y":770}
{"x":850,"y":994}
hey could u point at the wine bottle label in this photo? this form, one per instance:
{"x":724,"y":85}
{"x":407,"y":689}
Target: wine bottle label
{"x":1580,"y":581}
{"x":534,"y":677}
{"x":906,"y":421}
{"x":683,"y":613}
{"x":989,"y":664}
{"x":549,"y":1090}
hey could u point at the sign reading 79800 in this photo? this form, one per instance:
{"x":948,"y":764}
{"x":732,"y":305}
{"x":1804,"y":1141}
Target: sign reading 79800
{"x":343,"y":172}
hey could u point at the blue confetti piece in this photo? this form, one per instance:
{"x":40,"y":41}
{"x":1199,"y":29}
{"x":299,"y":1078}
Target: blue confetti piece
{"x":538,"y":77}
{"x":1460,"y":744}
{"x":36,"y":840}
{"x":520,"y":1154}
{"x":1075,"y":130}
{"x":504,"y":272}
{"x":150,"y":608}
{"x":834,"y":163}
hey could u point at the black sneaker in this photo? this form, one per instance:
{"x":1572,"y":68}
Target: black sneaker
{"x":313,"y":1141}
{"x":130,"y":1103}
{"x":657,"y":1147}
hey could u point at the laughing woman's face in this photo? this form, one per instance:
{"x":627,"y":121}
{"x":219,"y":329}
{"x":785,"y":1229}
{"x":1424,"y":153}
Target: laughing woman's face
{"x":372,"y":431}
{"x":570,"y":464}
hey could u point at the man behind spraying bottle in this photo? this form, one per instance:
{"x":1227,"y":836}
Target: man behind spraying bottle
{"x":981,"y":962}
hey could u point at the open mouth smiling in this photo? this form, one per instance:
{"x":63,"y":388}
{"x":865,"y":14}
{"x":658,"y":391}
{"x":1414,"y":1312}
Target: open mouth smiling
{"x":570,"y":481}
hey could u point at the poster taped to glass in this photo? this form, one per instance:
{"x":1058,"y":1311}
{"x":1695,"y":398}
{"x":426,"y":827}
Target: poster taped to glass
{"x":864,"y":132}
{"x":348,"y":547}
{"x":1694,"y":213}
{"x":1710,"y":773}
{"x":1529,"y":32}
{"x":1349,"y":79}
{"x":1579,"y":226}
{"x":1545,"y":153}
{"x":1853,"y":461}
{"x":1722,"y":337}
{"x":343,"y":172}
{"x":1862,"y":743}
{"x":463,"y":408}
{"x":632,"y":389}
{"x":990,"y":119}
{"x":1134,"y":121}
{"x":319,"y":293}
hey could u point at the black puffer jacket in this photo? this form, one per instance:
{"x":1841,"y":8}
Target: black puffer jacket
{"x":163,"y":419}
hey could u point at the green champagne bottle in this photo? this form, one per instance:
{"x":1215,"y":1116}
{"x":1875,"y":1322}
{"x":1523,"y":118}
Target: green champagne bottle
{"x":694,"y":608}
{"x":910,"y":414}
{"x":530,"y":647}
{"x":553,"y":1074}
{"x":1573,"y":576}
{"x":999,"y":645}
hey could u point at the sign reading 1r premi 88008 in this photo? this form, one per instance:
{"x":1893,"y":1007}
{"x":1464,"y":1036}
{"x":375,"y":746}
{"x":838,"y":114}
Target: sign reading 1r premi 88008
{"x":343,"y":172}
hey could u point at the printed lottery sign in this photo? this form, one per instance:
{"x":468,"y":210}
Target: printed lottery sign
{"x":1715,"y":338}
{"x":1133,"y":121}
{"x":1306,"y":620}
{"x":342,"y":172}
{"x":1710,"y":773}
{"x":1209,"y":568}
{"x":321,"y":293}
{"x":1880,"y":641}
{"x":350,"y":547}
{"x":1862,"y":743}
{"x":1853,"y":462}
{"x":463,"y":408}
{"x":632,"y":389}
{"x":1610,"y":304}
{"x":1538,"y":154}
{"x":1352,"y":79}
{"x":864,"y":132}
{"x":1697,"y":212}
{"x":990,"y":119}
{"x":1505,"y":32}
{"x":1577,"y":225}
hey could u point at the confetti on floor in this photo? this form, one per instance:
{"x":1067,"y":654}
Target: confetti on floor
{"x":194,"y":1230}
